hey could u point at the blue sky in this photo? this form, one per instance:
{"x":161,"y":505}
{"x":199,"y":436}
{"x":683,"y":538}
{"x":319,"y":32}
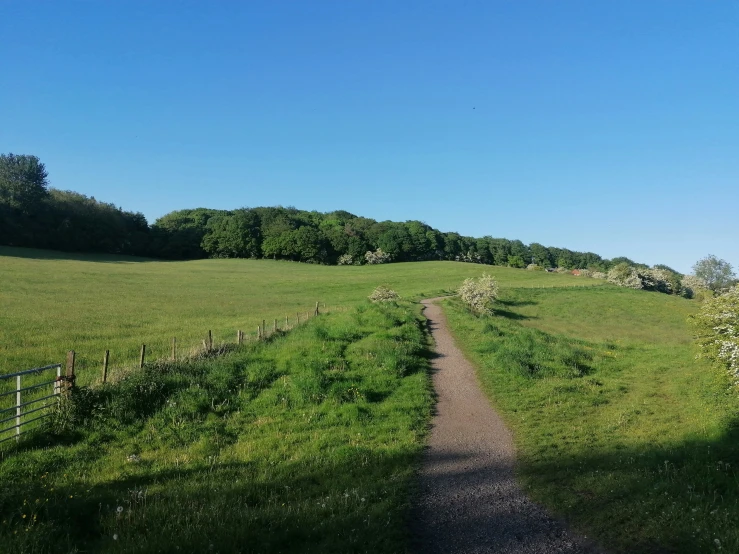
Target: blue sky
{"x":610,"y":127}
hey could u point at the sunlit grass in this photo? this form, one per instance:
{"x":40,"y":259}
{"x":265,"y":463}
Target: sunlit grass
{"x":306,"y":443}
{"x":51,"y":302}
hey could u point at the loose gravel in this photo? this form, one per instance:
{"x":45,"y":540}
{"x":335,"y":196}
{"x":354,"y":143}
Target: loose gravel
{"x":469,"y":500}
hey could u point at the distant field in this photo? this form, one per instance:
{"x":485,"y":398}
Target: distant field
{"x":51,"y":302}
{"x":618,"y":427}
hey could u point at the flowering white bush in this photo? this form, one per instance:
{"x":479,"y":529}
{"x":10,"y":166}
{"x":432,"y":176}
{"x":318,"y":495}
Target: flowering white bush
{"x":562,"y":270}
{"x":377,"y":257}
{"x":599,"y":275}
{"x":534,"y":267}
{"x":479,"y":294}
{"x":383,"y":294}
{"x":658,"y":279}
{"x":625,"y":275}
{"x":693,"y":286}
{"x":718,"y":330}
{"x":586,"y":273}
{"x":345,"y":259}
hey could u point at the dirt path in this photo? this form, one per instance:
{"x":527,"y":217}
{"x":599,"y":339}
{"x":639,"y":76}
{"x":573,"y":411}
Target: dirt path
{"x":469,"y":501}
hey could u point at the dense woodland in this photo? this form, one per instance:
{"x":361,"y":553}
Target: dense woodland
{"x":34,"y":215}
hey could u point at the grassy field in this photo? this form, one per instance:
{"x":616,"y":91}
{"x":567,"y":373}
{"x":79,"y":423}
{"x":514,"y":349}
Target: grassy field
{"x":51,"y":302}
{"x":619,"y":428}
{"x":305,"y":443}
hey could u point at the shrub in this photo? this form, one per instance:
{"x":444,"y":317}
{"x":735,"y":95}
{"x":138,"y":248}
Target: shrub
{"x":599,"y":275}
{"x":377,"y":257}
{"x":534,"y":267}
{"x":383,"y":294}
{"x":718,"y":330}
{"x":692,"y":287}
{"x":562,"y":270}
{"x":479,"y":294}
{"x":586,"y":273}
{"x":625,"y":275}
{"x":345,"y":259}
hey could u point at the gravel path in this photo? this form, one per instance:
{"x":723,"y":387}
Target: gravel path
{"x":469,"y":501}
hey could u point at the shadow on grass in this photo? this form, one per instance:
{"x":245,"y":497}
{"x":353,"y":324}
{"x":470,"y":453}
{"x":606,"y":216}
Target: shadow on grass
{"x":650,"y":500}
{"x":516,"y":303}
{"x":38,"y":254}
{"x":512,"y":315}
{"x":354,"y":505}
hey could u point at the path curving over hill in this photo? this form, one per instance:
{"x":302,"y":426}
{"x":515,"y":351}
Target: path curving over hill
{"x":468,"y":499}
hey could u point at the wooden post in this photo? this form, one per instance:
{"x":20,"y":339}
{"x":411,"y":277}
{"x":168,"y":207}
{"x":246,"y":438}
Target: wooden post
{"x":210,"y":340}
{"x":259,"y":333}
{"x":239,"y":337}
{"x":143,"y":356}
{"x":70,"y":371}
{"x":264,"y":329}
{"x":105,"y":366}
{"x":287,"y":323}
{"x":174,"y":349}
{"x":205,"y":346}
{"x":316,"y":309}
{"x":297,"y":315}
{"x":274,"y":327}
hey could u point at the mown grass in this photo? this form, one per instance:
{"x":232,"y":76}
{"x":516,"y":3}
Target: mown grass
{"x":51,"y":302}
{"x":304,"y":443}
{"x":618,"y":427}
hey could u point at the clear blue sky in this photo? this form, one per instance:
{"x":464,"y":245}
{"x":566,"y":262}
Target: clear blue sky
{"x":610,"y":127}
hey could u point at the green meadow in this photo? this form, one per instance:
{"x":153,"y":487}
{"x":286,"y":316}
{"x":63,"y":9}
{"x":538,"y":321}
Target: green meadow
{"x":619,"y":428}
{"x":308,"y":441}
{"x":51,"y":302}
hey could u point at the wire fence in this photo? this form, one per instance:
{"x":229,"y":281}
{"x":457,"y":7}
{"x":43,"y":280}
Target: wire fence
{"x":22,"y":393}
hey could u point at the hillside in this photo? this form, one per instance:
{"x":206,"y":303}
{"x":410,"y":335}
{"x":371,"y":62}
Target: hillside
{"x":53,"y":302}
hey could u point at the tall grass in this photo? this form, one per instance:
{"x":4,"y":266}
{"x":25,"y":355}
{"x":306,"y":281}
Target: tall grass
{"x":306,"y":443}
{"x":618,"y":427}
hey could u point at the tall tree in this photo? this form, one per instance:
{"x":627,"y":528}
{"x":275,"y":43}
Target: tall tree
{"x":718,"y":274}
{"x":23,"y":182}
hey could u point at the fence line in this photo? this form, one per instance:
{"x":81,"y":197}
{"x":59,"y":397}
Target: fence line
{"x":64,"y":383}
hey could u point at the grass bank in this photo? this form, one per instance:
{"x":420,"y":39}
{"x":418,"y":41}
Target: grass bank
{"x":51,"y":302}
{"x":305,"y":443}
{"x":618,"y":427}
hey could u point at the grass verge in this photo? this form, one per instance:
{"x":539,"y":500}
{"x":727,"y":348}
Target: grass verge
{"x":305,"y":443}
{"x":618,"y":428}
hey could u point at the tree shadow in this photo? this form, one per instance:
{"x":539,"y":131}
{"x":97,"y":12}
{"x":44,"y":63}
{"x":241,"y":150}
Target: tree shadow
{"x":38,"y":254}
{"x":513,"y":315}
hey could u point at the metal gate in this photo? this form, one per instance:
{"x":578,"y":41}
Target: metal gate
{"x":21,"y":396}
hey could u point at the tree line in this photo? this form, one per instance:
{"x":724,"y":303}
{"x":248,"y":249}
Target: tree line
{"x":34,"y":215}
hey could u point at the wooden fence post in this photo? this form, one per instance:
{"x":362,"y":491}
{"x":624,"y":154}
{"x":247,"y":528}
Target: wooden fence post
{"x":70,"y":371}
{"x":259,"y":333}
{"x":210,"y":340}
{"x":105,"y":366}
{"x":240,"y":337}
{"x":264,"y":329}
{"x":174,"y":349}
{"x":143,"y":356}
{"x":287,"y":323}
